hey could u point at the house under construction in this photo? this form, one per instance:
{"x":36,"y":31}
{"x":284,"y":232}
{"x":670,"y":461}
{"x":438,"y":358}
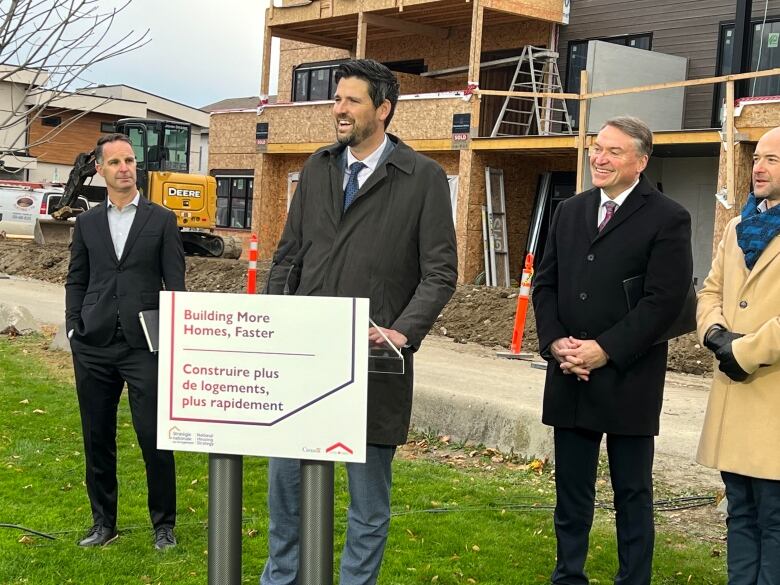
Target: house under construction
{"x":482,"y":94}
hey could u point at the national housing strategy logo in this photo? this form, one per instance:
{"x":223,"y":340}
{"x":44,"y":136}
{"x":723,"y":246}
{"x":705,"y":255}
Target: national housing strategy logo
{"x":176,"y":435}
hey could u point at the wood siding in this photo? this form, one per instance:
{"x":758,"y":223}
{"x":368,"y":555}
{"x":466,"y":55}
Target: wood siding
{"x":61,"y":144}
{"x":683,"y":28}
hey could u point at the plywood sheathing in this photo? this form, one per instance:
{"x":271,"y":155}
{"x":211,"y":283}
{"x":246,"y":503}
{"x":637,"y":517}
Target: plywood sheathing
{"x":418,"y":119}
{"x":269,"y":209}
{"x":759,"y":116}
{"x":232,"y":133}
{"x":233,"y":161}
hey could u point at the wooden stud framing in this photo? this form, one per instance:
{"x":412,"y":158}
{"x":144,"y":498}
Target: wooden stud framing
{"x":266,"y":73}
{"x":582,"y":132}
{"x":406,"y":26}
{"x":730,"y":142}
{"x":475,"y":51}
{"x":362,"y":31}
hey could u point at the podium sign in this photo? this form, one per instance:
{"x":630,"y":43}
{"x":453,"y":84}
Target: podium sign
{"x":278,"y":376}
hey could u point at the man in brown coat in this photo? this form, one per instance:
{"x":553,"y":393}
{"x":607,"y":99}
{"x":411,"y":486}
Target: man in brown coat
{"x":739,"y":320}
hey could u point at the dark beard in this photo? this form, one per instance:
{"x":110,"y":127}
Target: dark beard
{"x":355,"y":137}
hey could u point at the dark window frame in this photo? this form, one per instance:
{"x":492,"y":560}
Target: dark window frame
{"x":248,"y":177}
{"x":719,"y":90}
{"x":573,"y":104}
{"x":307,"y":69}
{"x":107,"y":127}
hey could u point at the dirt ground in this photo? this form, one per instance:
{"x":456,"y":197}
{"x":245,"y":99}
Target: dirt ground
{"x":476,"y":314}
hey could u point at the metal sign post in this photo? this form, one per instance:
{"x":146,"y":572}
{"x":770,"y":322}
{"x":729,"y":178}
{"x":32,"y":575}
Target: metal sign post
{"x":226,"y":479}
{"x":315,"y":557}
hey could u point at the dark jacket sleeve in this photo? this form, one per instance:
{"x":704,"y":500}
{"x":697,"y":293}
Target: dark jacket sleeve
{"x":438,"y":259}
{"x":545,"y":292}
{"x":667,"y":281}
{"x":292,"y":232}
{"x":77,"y":279}
{"x":172,"y":255}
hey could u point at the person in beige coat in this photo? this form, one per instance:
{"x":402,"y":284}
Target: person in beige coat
{"x":739,"y":320}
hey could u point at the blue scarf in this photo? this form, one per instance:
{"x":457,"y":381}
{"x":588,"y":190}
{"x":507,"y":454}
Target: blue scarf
{"x":756,"y":230}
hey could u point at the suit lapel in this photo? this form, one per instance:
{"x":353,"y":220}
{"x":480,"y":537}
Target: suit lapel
{"x":634,"y":202}
{"x":336,"y":167}
{"x":105,"y":232}
{"x":592,"y":201}
{"x":142,"y":215}
{"x":378,"y":175}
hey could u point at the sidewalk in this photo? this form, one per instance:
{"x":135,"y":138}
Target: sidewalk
{"x":464,"y":391}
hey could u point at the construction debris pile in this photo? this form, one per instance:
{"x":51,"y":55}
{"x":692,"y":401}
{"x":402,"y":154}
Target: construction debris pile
{"x":476,"y":314}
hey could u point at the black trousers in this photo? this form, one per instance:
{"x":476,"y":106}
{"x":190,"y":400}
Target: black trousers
{"x":101,"y":373}
{"x":630,"y":469}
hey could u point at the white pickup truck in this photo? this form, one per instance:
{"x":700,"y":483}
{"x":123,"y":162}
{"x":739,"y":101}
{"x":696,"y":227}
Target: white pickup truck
{"x":22,"y":203}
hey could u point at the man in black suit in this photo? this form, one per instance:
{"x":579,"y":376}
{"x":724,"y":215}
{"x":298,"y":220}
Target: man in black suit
{"x":605,"y":372}
{"x":124,"y":251}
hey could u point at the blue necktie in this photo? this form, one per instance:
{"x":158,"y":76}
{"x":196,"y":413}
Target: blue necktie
{"x":352,"y":185}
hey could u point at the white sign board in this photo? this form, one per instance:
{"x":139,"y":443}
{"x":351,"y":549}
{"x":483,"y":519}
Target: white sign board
{"x":279,"y":376}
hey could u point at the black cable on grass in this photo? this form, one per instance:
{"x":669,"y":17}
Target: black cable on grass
{"x":667,"y":505}
{"x":30,"y":530}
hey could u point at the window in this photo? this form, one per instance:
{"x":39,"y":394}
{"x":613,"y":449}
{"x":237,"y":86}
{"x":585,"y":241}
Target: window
{"x":52,"y":121}
{"x":137,"y":140}
{"x":234,"y":201}
{"x":314,"y":81}
{"x":107,"y":127}
{"x":578,"y":60}
{"x":764,"y":48}
{"x":175,"y":145}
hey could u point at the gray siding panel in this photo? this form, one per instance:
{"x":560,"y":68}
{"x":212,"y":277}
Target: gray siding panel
{"x":686,"y":29}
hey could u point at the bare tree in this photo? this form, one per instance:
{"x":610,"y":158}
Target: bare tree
{"x":45,"y":48}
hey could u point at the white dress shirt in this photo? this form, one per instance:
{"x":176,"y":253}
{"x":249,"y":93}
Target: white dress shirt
{"x":619,"y":200}
{"x":371,"y":162}
{"x":120,"y":221}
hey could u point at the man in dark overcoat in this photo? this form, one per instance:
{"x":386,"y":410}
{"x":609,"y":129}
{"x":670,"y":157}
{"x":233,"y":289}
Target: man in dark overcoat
{"x":379,"y":220}
{"x":124,"y":252}
{"x":605,"y":372}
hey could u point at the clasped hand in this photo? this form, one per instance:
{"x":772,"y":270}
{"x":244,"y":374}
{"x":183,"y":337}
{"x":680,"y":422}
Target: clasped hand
{"x":578,"y":356}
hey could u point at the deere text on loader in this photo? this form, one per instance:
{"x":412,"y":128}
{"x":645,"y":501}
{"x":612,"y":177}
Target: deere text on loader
{"x":162,"y":151}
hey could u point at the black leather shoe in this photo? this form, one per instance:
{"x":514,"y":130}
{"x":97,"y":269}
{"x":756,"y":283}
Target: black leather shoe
{"x":99,"y":535}
{"x":164,"y":538}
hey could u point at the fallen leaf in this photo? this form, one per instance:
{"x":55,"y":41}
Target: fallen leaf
{"x":475,"y":548}
{"x":25,"y":401}
{"x":39,"y":411}
{"x":26,"y":539}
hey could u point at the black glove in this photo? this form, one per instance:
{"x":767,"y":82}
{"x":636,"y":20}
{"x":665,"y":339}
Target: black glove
{"x":719,"y":336}
{"x":728,"y":364}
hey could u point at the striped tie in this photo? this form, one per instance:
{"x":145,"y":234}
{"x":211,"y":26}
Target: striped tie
{"x":610,"y":207}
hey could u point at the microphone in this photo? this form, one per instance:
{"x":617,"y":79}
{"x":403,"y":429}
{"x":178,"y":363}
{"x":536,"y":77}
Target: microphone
{"x":295,"y":262}
{"x":278,"y":257}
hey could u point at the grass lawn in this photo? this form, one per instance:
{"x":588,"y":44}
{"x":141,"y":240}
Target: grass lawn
{"x":453,"y":524}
